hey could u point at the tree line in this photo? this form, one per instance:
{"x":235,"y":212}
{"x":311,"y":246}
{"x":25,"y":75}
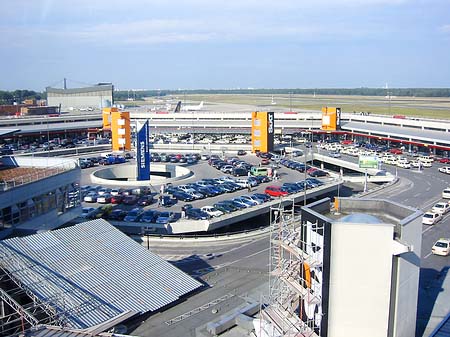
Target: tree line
{"x":407,"y":92}
{"x":9,"y":97}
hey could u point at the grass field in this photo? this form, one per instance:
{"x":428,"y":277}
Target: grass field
{"x":425,"y":107}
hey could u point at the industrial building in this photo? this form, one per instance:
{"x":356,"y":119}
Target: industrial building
{"x":348,"y":271}
{"x":83,"y":99}
{"x":89,"y":277}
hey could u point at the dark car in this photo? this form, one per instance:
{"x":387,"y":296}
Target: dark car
{"x":262,"y":196}
{"x":239,"y":172}
{"x":145,"y":200}
{"x":314,"y":181}
{"x":241,"y":153}
{"x":260,"y":179}
{"x":183,"y":196}
{"x":117,"y":214}
{"x":130,"y":199}
{"x":318,"y":173}
{"x":221,"y":206}
{"x":196,"y":214}
{"x":206,"y":191}
{"x":292,"y":187}
{"x":149,"y":216}
{"x":167,"y":201}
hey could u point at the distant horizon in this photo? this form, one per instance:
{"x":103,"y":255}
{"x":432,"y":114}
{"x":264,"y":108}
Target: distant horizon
{"x":231,"y":89}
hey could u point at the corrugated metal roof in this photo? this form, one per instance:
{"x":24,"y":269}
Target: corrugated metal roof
{"x":397,"y":131}
{"x":53,"y":331}
{"x":96,"y":270}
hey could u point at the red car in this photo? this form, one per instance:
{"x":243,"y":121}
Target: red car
{"x":265,"y":161}
{"x":116,"y":199}
{"x":395,"y":151}
{"x":347,"y":142}
{"x":444,"y":160}
{"x":275,"y":191}
{"x":311,"y":170}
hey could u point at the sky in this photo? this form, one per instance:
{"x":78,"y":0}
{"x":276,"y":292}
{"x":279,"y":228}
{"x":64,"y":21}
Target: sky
{"x":224,"y":44}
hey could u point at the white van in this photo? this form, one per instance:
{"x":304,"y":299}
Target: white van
{"x":426,"y":159}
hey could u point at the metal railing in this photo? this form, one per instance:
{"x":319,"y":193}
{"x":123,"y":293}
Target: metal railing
{"x":35,"y":175}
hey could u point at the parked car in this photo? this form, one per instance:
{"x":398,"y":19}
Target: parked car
{"x":133,"y":215}
{"x":275,"y":191}
{"x":445,"y":160}
{"x":430,"y":218}
{"x":441,"y":208}
{"x":241,"y":153}
{"x":117,"y":199}
{"x":90,"y":197}
{"x":88,"y":212}
{"x":253,"y":198}
{"x":117,"y":214}
{"x":145,"y":200}
{"x":167,"y":201}
{"x":441,"y":247}
{"x":445,"y":169}
{"x":183,"y":196}
{"x":446,"y":193}
{"x":104,"y":198}
{"x":196,"y":214}
{"x":130,"y":199}
{"x":225,"y":207}
{"x":149,"y":216}
{"x":212,"y":211}
{"x":165,"y":217}
{"x":262,"y":196}
{"x":318,"y":173}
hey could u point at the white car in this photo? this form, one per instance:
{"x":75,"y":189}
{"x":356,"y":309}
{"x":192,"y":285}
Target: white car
{"x":445,"y":169}
{"x":441,"y":208}
{"x":426,"y":164}
{"x":211,"y":211}
{"x":404,"y":164}
{"x":90,"y":197}
{"x":441,"y":247}
{"x":446,"y":193}
{"x":430,"y":218}
{"x":415,"y":163}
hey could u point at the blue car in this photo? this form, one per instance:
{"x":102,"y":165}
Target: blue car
{"x":196,"y":214}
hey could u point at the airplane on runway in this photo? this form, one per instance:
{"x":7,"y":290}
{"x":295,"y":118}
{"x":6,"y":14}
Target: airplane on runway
{"x":191,"y":107}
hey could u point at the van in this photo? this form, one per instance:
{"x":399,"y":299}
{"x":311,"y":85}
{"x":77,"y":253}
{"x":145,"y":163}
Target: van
{"x":426,"y":159}
{"x":258,"y":171}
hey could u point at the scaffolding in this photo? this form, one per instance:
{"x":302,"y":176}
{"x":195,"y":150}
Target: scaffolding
{"x":294,"y":304}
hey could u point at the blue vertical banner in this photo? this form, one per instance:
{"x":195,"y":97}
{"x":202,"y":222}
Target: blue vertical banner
{"x":142,"y":152}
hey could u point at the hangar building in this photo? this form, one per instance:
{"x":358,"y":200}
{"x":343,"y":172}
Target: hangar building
{"x":84,"y":99}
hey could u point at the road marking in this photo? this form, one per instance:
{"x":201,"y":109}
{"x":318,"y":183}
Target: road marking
{"x":428,"y":255}
{"x":199,"y":309}
{"x":427,"y":229}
